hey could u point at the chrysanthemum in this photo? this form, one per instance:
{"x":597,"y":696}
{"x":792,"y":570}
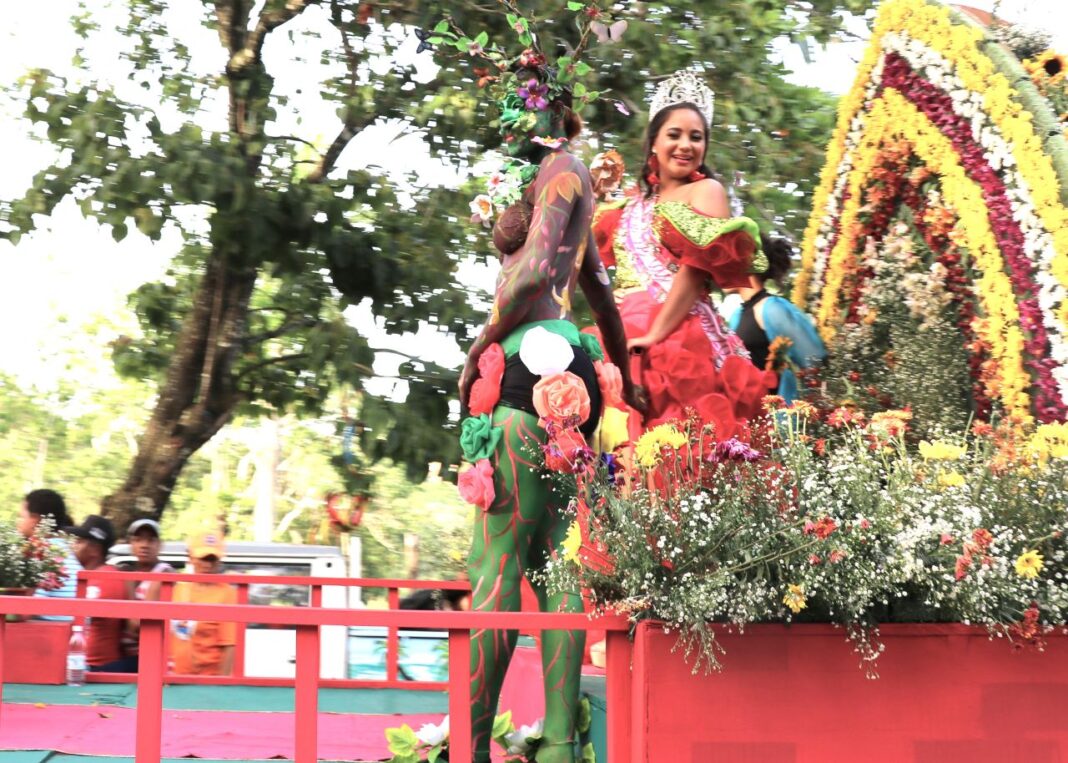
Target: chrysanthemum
{"x":794,"y":598}
{"x":1029,"y":564}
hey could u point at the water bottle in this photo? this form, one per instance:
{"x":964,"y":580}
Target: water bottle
{"x":76,"y":657}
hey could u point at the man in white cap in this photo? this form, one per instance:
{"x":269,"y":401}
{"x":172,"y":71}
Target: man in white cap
{"x":143,"y":535}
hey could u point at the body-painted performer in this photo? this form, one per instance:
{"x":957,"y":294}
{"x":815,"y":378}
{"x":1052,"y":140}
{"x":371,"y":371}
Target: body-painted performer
{"x":547,"y":250}
{"x":670,"y":240}
{"x":762,"y":318}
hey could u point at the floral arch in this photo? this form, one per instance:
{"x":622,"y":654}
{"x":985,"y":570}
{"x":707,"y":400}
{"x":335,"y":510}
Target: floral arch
{"x":945,"y":193}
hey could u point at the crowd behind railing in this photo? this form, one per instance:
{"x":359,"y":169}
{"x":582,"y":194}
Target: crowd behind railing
{"x":193,"y":647}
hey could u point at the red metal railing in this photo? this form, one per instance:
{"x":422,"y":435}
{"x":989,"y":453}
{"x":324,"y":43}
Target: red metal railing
{"x":315,"y":585}
{"x":307,"y":621}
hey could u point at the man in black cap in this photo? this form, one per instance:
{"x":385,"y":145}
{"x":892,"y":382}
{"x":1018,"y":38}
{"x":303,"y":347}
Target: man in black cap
{"x":92,"y":539}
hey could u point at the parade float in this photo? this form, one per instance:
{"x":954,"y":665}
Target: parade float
{"x":877,"y":572}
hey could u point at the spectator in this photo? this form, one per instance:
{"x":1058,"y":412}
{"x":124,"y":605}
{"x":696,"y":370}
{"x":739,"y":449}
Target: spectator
{"x":143,"y":535}
{"x":48,"y":505}
{"x":202,"y":647}
{"x":92,"y":540}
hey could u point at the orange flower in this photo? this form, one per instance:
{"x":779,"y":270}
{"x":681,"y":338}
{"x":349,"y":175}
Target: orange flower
{"x":561,"y":396}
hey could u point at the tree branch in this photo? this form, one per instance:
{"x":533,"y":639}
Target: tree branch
{"x":268,"y":21}
{"x":282,"y":330}
{"x":330,"y":157}
{"x":270,"y":362}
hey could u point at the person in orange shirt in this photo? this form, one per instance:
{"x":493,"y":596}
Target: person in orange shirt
{"x":203,"y":647}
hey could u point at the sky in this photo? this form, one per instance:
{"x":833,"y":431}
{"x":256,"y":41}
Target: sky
{"x":71,"y":272}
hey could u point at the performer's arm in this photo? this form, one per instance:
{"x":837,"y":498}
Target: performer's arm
{"x":595,"y":284}
{"x":524,"y":281}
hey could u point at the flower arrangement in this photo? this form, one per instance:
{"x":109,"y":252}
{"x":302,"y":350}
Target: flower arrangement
{"x":948,"y":96}
{"x":862,"y":526}
{"x":518,"y":745}
{"x":29,"y":563}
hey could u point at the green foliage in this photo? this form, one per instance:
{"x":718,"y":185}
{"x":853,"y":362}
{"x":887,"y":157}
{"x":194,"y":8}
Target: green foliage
{"x":280,"y":239}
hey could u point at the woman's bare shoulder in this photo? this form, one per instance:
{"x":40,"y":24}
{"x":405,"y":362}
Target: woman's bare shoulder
{"x":709,"y":197}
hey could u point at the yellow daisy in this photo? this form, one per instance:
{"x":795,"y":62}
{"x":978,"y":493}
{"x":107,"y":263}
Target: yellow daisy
{"x":1029,"y":564}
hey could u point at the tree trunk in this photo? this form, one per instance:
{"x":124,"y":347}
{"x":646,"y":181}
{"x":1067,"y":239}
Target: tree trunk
{"x":197,"y":397}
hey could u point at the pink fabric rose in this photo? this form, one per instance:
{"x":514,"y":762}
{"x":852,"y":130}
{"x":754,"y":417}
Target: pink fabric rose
{"x":562,"y":396}
{"x":610,"y":380}
{"x":476,"y":485}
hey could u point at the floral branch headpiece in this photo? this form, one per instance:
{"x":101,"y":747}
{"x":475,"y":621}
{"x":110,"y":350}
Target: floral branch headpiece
{"x":525,"y":83}
{"x":683,"y":87}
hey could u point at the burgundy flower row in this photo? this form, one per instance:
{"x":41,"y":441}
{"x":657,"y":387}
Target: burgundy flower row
{"x":938,"y":107}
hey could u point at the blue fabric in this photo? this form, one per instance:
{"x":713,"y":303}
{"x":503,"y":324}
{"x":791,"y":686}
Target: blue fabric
{"x":782,"y":318}
{"x":69,"y":589}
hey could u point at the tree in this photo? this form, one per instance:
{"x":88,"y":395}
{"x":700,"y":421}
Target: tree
{"x":278,"y":240}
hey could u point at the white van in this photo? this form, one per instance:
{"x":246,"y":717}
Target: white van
{"x":272,"y":652}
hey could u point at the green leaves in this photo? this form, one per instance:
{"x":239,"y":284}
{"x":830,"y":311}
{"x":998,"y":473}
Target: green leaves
{"x":402,"y":742}
{"x":502,"y":725}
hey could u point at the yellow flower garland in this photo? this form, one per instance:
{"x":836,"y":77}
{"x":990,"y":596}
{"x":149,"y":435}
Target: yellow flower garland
{"x":934,"y":26}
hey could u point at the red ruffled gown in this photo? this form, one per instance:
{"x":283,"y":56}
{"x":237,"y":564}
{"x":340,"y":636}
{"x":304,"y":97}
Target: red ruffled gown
{"x":702,"y":365}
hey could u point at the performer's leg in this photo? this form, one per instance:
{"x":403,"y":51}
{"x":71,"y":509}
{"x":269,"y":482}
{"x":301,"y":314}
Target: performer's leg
{"x":561,"y":651}
{"x":499,"y":553}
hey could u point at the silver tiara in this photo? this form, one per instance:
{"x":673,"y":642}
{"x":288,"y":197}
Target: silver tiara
{"x":683,"y":87}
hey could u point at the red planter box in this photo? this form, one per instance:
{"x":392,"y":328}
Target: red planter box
{"x":796,"y":694}
{"x":35,"y":652}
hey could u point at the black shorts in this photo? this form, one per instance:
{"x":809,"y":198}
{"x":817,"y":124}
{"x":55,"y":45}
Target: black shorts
{"x":517,"y":387}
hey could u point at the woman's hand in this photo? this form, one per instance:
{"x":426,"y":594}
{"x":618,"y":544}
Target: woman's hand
{"x":640,"y":344}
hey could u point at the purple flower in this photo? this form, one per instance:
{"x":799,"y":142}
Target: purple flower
{"x":621,"y":108}
{"x":534,"y":94}
{"x":734,"y":450}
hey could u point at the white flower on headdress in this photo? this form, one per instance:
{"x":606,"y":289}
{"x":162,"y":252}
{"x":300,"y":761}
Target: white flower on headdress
{"x":544,"y":352}
{"x":482,"y":209}
{"x":548,"y":142}
{"x":494,"y":182}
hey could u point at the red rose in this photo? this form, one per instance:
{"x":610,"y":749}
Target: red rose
{"x":486,"y":391}
{"x":567,"y":452}
{"x":610,"y":380}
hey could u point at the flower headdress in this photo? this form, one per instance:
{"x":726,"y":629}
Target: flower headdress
{"x":519,"y":97}
{"x":683,"y":87}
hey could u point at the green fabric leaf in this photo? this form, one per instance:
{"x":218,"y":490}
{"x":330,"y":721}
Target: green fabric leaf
{"x":591,"y":347}
{"x":478,"y":437}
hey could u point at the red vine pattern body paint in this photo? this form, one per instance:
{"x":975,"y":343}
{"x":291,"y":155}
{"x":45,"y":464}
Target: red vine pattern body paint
{"x":520,"y":533}
{"x":525,"y":524}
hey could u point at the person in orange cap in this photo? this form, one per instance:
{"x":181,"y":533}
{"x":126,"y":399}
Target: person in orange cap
{"x":203,"y":647}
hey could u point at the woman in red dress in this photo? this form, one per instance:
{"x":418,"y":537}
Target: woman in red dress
{"x":670,"y":241}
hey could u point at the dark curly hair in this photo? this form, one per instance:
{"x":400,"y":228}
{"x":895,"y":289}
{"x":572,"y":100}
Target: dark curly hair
{"x":48,"y":503}
{"x":780,"y":254}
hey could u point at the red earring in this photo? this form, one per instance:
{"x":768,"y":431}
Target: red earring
{"x":697,"y":175}
{"x":654,"y":167}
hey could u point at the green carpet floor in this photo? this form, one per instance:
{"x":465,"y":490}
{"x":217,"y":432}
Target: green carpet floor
{"x":234,"y":698}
